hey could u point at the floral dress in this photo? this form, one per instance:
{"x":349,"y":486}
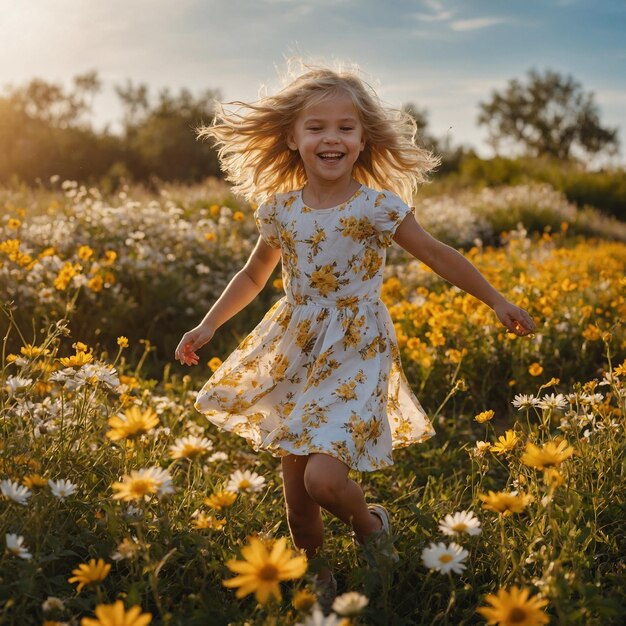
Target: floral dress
{"x":321,"y":372}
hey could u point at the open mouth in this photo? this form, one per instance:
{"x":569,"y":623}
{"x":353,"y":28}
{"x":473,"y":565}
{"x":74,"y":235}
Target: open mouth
{"x":330,"y":157}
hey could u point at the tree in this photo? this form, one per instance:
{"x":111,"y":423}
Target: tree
{"x":550,"y":115}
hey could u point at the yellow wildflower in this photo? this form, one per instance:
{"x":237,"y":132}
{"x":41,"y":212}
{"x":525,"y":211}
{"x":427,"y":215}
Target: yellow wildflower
{"x":505,"y":503}
{"x":514,"y":607}
{"x":220,"y":499}
{"x":505,"y":442}
{"x":214,"y":363}
{"x":135,"y":422}
{"x":485,"y":416}
{"x":265,"y":565}
{"x":116,"y":615}
{"x":87,"y":573}
{"x":551,"y":454}
{"x":203,"y":522}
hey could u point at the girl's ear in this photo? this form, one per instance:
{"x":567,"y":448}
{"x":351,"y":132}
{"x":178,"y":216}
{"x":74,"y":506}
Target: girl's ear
{"x":291,"y":142}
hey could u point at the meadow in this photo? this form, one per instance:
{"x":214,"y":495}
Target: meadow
{"x":119,"y":504}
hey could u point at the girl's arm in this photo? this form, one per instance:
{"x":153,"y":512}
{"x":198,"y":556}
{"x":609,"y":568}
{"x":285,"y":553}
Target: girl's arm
{"x":240,"y":291}
{"x":455,"y":268}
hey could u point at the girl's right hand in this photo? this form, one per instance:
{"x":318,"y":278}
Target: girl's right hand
{"x":193,"y":340}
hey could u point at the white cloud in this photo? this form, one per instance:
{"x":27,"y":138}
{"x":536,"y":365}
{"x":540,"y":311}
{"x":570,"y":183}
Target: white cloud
{"x":476,"y":23}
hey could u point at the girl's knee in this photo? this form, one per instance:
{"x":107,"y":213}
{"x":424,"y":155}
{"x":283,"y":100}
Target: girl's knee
{"x":323,"y":488}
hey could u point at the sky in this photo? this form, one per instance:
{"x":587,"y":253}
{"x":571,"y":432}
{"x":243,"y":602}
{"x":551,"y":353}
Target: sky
{"x":443,"y":56}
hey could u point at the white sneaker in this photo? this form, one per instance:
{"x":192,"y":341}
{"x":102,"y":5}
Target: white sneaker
{"x":326,"y":592}
{"x":378,"y":546}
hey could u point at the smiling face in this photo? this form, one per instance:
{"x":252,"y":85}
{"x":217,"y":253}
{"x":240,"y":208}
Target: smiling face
{"x":329,"y":137}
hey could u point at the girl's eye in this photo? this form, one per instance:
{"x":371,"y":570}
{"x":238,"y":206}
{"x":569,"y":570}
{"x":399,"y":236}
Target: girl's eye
{"x":314,"y":128}
{"x":347,"y":128}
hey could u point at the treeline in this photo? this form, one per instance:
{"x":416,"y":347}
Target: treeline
{"x":45,"y":130}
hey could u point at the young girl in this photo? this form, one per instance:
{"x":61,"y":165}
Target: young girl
{"x":319,"y":381}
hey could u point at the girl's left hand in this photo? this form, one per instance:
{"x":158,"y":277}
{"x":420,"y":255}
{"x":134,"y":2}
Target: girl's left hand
{"x":516,"y":319}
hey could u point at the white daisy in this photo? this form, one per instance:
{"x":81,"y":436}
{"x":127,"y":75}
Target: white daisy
{"x":460,"y":522}
{"x":15,"y":383}
{"x":553,"y":401}
{"x":52,"y":603}
{"x":350,"y":604}
{"x":445,"y":558}
{"x":317,"y":619}
{"x":245,"y":481}
{"x":14,"y":491}
{"x":523,"y":401}
{"x":190,"y":447}
{"x":62,"y":488}
{"x":15,"y":545}
{"x":218,"y":456}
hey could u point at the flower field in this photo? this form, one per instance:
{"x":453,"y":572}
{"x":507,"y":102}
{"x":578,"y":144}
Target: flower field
{"x":119,"y":504}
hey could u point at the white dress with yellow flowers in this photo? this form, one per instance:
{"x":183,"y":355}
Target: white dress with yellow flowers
{"x":321,"y":372}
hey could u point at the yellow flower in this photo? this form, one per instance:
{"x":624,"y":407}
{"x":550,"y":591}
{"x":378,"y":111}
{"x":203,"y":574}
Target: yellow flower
{"x":278,"y":284}
{"x":552,"y":477}
{"x":265,"y":564}
{"x":122,"y":341}
{"x":238,"y":216}
{"x":13,"y":223}
{"x":34,"y":481}
{"x":96,"y":283}
{"x":203,"y":522}
{"x":514,"y":608}
{"x":214,"y":210}
{"x":303,"y":600}
{"x":109,"y":257}
{"x":551,"y":454}
{"x":214,"y":363}
{"x":220,"y":499}
{"x":87,"y":573}
{"x":535,"y":369}
{"x":552,"y":381}
{"x":116,"y":615}
{"x":84,"y":253}
{"x":485,"y":416}
{"x":210,"y":236}
{"x":620,"y":370}
{"x":505,"y":442}
{"x":79,"y":359}
{"x":592,"y":332}
{"x":460,"y":385}
{"x":505,"y":503}
{"x":65,"y":275}
{"x":32,"y":352}
{"x":135,"y":422}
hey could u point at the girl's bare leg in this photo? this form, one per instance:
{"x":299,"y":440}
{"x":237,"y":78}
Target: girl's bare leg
{"x":327,"y":484}
{"x":303,"y":513}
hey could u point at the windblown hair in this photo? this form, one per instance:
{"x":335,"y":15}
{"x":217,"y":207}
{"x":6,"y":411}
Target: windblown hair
{"x":252,"y":140}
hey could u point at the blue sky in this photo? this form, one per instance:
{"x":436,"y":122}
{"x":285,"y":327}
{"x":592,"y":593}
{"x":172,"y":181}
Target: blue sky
{"x":443,"y":56}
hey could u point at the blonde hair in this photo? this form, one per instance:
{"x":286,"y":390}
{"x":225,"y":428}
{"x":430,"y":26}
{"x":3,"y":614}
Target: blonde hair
{"x":252,"y":140}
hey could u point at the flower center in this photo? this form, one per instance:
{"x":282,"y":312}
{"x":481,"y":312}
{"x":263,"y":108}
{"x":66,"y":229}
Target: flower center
{"x":142,"y":486}
{"x":517,"y":615}
{"x":460,"y":527}
{"x":244,"y":484}
{"x":445,"y":558}
{"x":268,"y":572}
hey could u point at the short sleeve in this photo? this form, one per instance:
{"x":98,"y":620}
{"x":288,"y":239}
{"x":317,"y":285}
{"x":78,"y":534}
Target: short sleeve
{"x":265,"y":218}
{"x":389,"y":211}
